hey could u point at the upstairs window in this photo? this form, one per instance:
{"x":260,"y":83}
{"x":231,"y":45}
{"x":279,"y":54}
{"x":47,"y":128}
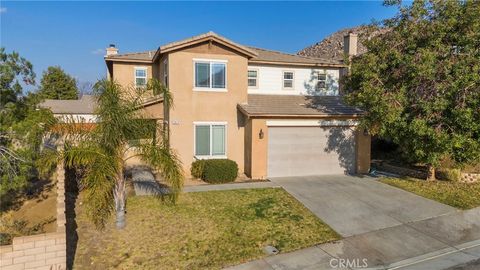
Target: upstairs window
{"x":252,"y":78}
{"x":210,"y":74}
{"x":321,"y":81}
{"x":140,"y":76}
{"x":288,"y":79}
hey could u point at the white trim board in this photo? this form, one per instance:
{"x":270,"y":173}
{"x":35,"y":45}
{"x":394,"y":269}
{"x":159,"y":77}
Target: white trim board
{"x":311,"y":123}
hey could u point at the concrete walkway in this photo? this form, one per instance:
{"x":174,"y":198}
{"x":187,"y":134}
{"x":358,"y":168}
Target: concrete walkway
{"x":231,"y":186}
{"x":144,"y":184}
{"x":435,"y":243}
{"x":354,"y":205}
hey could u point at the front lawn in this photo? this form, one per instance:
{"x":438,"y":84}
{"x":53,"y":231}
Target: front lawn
{"x":456,"y":194}
{"x":205,"y":230}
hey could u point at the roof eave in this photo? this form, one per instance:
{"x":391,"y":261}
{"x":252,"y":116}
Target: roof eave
{"x":128,"y":60}
{"x":152,"y":101}
{"x":274,"y":115}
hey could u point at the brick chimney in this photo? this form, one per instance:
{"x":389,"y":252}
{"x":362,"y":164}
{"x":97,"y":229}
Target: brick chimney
{"x":111,"y":50}
{"x":350,"y":44}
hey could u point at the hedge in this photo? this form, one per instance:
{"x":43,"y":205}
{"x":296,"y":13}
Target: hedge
{"x":197,"y":168}
{"x":215,"y":171}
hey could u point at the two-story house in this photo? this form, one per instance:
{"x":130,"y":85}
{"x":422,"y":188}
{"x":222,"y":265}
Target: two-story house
{"x":275,"y":114}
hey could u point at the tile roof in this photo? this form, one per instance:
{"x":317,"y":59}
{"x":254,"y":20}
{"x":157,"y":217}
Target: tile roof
{"x":297,"y":105}
{"x":144,"y":56}
{"x":275,"y":56}
{"x":261,"y":55}
{"x":85,"y":105}
{"x":149,"y":55}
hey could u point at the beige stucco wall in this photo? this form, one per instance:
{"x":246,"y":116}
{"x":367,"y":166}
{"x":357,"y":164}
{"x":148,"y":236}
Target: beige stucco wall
{"x":256,"y":149}
{"x":191,"y":106}
{"x":363,"y":151}
{"x":124,"y":73}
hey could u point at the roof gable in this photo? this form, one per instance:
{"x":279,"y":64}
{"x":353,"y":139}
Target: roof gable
{"x":210,"y":36}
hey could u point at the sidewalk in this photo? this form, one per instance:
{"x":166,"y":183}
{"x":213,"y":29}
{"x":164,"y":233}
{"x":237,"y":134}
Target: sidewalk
{"x":231,"y":186}
{"x":436,"y":243}
{"x":145,"y":184}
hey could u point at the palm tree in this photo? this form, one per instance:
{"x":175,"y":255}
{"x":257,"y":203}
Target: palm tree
{"x":102,"y":150}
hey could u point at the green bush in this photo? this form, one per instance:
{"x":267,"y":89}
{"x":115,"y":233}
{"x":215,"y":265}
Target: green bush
{"x":449,"y":174}
{"x":197,"y":168}
{"x":215,"y":171}
{"x":220,"y":171}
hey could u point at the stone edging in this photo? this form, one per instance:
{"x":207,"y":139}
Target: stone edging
{"x":470,"y":177}
{"x":464,"y":177}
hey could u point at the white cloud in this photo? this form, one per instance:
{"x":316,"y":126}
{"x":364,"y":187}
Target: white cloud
{"x":98,"y":51}
{"x":3,"y":10}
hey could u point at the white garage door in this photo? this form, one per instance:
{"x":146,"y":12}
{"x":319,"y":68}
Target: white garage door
{"x":295,"y":151}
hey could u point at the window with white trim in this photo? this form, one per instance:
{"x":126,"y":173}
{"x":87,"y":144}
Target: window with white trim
{"x":210,"y":74}
{"x":210,"y":140}
{"x":288,"y":79}
{"x":140,"y":76}
{"x":252,"y":78}
{"x":321,"y":83}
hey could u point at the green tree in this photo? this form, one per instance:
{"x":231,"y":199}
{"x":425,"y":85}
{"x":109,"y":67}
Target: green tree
{"x":21,"y":126}
{"x":56,"y":84}
{"x":103,"y":151}
{"x":14,"y":69}
{"x":419,"y":83}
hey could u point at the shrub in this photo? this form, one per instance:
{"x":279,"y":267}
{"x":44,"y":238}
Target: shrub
{"x":197,"y":168}
{"x":215,"y":171}
{"x":449,"y":174}
{"x":220,"y":171}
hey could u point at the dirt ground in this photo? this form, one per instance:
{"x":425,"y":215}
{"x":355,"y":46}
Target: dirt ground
{"x":30,"y":214}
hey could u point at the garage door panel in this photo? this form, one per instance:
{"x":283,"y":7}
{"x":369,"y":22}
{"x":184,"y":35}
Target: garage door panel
{"x":310,"y":150}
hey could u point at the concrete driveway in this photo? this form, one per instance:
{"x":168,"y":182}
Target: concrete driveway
{"x":353,"y":205}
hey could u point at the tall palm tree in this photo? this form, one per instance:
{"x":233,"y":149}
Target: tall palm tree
{"x":103,"y":149}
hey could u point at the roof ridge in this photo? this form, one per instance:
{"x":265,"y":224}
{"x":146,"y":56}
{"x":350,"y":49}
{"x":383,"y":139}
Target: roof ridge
{"x":275,"y":51}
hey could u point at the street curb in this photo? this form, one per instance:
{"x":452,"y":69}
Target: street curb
{"x":434,"y":255}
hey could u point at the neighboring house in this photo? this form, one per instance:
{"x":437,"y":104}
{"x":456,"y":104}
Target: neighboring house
{"x":275,"y":114}
{"x":78,"y":110}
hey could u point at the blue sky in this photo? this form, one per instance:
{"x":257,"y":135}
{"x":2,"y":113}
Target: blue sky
{"x":75,"y":34}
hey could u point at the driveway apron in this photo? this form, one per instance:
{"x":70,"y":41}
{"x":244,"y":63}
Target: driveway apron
{"x":355,"y":205}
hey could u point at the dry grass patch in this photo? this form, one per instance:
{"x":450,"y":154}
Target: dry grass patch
{"x":456,"y":194}
{"x":28,"y":215}
{"x":205,"y":230}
